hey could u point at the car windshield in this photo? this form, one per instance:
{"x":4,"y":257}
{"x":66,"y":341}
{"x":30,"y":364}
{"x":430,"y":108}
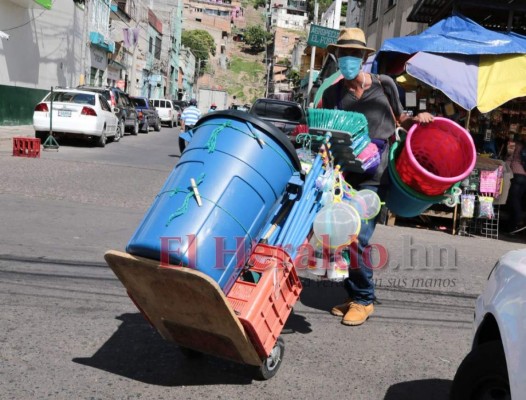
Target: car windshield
{"x":278,"y":111}
{"x":72,"y":97}
{"x":139,"y":102}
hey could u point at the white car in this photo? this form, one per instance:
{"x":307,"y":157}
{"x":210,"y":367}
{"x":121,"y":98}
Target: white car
{"x":166,"y":111}
{"x":495,"y":367}
{"x":76,"y":113}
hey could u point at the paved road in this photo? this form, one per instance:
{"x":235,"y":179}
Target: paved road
{"x":68,"y":330}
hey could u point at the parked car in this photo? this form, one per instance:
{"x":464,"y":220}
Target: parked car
{"x":76,"y":113}
{"x":494,"y":369}
{"x":178,"y":111}
{"x":181,"y":103}
{"x":128,"y":118}
{"x":147,"y":113}
{"x":285,"y":115}
{"x":166,"y":111}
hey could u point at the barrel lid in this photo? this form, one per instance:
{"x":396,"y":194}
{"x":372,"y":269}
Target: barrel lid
{"x":270,"y":129}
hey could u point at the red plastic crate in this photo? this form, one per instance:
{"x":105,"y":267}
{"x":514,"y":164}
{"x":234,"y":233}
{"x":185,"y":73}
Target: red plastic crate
{"x":264,"y":306}
{"x":26,"y":147}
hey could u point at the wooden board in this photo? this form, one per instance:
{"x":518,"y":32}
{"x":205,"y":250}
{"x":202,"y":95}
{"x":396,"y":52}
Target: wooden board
{"x":186,"y":307}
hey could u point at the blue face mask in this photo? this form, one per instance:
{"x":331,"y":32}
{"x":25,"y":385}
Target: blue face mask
{"x":350,"y":66}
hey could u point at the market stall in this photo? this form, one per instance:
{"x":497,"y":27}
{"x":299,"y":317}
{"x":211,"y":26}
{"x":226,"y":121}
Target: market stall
{"x":462,"y":71}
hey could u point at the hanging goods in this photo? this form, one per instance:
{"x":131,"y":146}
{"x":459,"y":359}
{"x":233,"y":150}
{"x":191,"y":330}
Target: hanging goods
{"x":366,"y":202}
{"x":337,"y":224}
{"x":435,"y":156}
{"x":241,"y":167}
{"x":350,"y":144}
{"x":324,"y":263}
{"x":486,"y":207}
{"x":467,"y":205}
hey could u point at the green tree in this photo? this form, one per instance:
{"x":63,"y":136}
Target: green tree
{"x":200,"y":42}
{"x":260,"y":3}
{"x":257,"y":37}
{"x":295,"y":77}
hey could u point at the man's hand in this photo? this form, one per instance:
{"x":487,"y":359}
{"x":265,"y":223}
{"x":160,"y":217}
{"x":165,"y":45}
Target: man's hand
{"x":423,"y":118}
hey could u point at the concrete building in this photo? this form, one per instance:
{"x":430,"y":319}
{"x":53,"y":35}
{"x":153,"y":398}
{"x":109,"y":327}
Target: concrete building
{"x":187,"y":74}
{"x":284,"y":45}
{"x":43,"y":50}
{"x":332,"y":17}
{"x":96,"y":42}
{"x":385,"y":19}
{"x":290,"y":14}
{"x":170,"y":13}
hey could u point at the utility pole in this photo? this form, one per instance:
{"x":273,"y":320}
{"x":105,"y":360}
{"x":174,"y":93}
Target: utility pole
{"x":84,"y":46}
{"x":312,"y":56}
{"x":197,"y":79}
{"x":337,"y":14}
{"x":268,"y":77}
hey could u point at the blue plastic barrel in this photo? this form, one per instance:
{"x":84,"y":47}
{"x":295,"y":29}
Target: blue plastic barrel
{"x":401,"y":199}
{"x":241,"y":166}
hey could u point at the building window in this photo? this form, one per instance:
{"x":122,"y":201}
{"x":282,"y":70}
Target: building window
{"x":158,"y":48}
{"x":391,"y":3}
{"x":374,"y":11}
{"x":285,"y":39}
{"x":150,"y":45}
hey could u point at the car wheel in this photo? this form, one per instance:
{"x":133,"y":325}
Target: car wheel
{"x":42,"y":135}
{"x":101,"y":140}
{"x":135,"y":130}
{"x":146,"y":127}
{"x":118,"y":132}
{"x":483,"y":374}
{"x":157,"y":126}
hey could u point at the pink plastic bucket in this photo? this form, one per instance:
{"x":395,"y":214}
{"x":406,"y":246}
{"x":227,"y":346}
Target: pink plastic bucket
{"x":436,"y":156}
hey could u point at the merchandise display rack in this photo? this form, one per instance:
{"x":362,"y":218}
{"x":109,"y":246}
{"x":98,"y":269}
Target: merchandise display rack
{"x":481,"y":227}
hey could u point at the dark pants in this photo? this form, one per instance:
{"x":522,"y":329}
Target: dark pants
{"x":182,"y":142}
{"x":360,"y":283}
{"x":515,"y":201}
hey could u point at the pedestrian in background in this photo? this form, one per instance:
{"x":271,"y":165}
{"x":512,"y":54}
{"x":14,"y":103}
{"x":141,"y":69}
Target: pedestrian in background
{"x":213,"y":107}
{"x":375,"y":96}
{"x":516,"y":159}
{"x":189,"y":118}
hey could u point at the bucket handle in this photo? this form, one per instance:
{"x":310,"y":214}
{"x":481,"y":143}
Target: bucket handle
{"x":397,"y":136}
{"x":452,"y":196}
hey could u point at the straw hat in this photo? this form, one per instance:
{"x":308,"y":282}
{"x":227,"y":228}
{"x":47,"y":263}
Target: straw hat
{"x":350,"y":38}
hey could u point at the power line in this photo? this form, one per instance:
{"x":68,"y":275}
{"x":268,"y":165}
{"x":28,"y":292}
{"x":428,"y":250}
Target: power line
{"x":24,"y":24}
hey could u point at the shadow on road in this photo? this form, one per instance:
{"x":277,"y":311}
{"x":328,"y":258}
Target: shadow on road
{"x":296,"y":323}
{"x":136,"y":351}
{"x":429,"y":389}
{"x":322,"y":295}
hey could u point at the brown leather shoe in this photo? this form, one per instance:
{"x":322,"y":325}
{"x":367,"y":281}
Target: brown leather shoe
{"x":341,"y":309}
{"x":357,"y":314}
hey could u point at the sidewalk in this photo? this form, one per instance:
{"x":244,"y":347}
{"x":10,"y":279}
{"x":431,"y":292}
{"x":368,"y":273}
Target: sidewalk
{"x":7,"y":133}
